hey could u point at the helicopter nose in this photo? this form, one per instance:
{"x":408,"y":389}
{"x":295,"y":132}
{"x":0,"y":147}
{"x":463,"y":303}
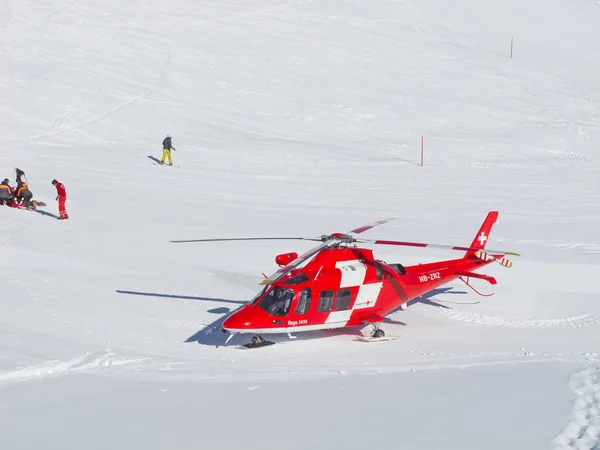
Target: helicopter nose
{"x":237,"y":321}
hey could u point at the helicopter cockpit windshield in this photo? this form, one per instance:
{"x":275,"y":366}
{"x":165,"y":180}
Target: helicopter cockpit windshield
{"x":277,"y":301}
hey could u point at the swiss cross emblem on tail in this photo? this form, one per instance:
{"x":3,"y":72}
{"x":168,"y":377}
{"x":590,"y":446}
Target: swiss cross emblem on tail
{"x":482,"y":238}
{"x":483,"y":234}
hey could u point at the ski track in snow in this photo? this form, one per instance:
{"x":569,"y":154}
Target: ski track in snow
{"x":569,"y":323}
{"x":127,"y":100}
{"x":42,"y":292}
{"x":586,"y":247}
{"x":589,"y":248}
{"x":92,"y":362}
{"x":583,"y":429}
{"x":5,"y":15}
{"x":99,"y":118}
{"x":56,"y":12}
{"x":182,"y":370}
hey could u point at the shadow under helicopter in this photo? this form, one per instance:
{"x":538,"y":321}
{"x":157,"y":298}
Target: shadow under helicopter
{"x":212,"y":334}
{"x":426,"y":298}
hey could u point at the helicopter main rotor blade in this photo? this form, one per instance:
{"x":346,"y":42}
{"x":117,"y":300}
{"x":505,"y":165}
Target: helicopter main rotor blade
{"x":315,"y":239}
{"x":249,"y":239}
{"x":369,"y":226}
{"x":446,"y":247}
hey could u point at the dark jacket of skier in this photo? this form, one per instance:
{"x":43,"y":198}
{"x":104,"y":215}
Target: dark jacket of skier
{"x":167,"y":145}
{"x":22,"y":192}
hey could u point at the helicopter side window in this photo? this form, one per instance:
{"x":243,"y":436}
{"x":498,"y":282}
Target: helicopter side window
{"x":326,"y":301}
{"x":304,"y":302}
{"x":343,"y":300}
{"x":300,"y":278}
{"x":277,"y":301}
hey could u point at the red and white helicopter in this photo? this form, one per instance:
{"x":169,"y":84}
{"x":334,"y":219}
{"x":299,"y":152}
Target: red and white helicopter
{"x":340,"y":284}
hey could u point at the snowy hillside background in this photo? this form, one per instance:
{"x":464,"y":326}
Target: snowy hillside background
{"x":297,"y":118}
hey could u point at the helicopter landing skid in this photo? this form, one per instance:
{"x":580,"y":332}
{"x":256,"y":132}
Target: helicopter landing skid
{"x":257,"y":342}
{"x":377,"y":331}
{"x":374,"y":339}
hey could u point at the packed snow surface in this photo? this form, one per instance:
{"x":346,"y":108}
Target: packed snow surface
{"x":297,"y":118}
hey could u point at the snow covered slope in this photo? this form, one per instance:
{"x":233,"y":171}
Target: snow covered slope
{"x":297,"y":118}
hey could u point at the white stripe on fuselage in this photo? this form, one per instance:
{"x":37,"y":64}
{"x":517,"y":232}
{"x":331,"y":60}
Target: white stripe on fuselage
{"x":367,"y":295}
{"x":339,"y":316}
{"x":353,"y":273}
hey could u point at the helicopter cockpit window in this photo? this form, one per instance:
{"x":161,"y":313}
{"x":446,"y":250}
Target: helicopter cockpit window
{"x":277,"y":301}
{"x":297,"y":279}
{"x":304,"y":301}
{"x":258,"y":296}
{"x":326,"y":301}
{"x":343,"y":300}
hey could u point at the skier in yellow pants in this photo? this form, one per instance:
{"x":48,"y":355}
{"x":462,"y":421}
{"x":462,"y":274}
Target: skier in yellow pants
{"x":167,"y":147}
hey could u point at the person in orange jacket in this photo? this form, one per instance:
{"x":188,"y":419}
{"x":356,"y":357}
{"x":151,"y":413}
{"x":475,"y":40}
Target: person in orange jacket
{"x":62,"y":199}
{"x":22,"y":193}
{"x":6,"y":192}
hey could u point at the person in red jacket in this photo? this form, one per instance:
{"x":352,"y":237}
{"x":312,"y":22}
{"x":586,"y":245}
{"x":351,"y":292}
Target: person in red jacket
{"x":62,"y":198}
